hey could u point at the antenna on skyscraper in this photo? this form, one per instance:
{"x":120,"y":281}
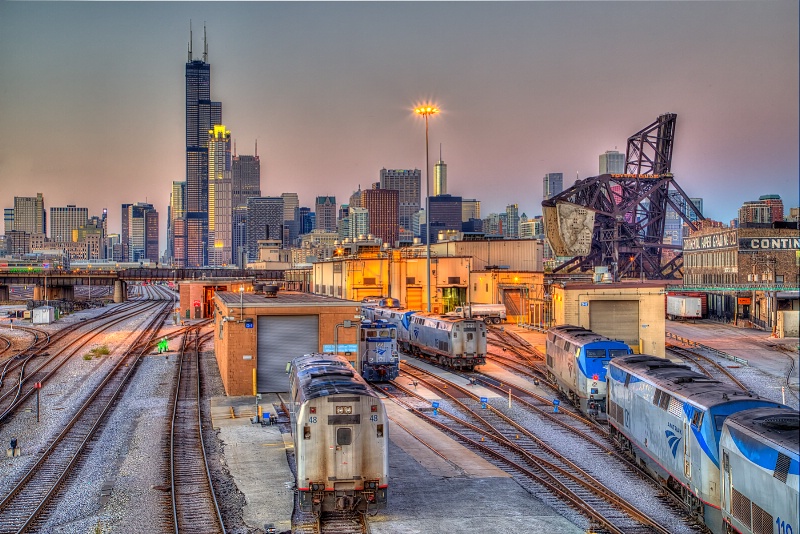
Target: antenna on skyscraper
{"x":256,"y":147}
{"x":440,"y":151}
{"x":234,"y":148}
{"x":190,"y":41}
{"x":205,"y":45}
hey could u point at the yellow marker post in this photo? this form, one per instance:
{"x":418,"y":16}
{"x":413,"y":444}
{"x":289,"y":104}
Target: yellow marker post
{"x":254,"y":382}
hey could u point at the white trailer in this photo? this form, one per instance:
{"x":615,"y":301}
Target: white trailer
{"x":488,"y":313}
{"x":682,"y":307}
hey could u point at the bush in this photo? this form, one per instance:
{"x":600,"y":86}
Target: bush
{"x":101,"y":351}
{"x":87,"y":357}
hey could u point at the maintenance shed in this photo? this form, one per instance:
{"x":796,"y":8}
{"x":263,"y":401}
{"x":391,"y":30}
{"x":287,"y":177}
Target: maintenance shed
{"x":256,"y":335}
{"x":632,"y":312}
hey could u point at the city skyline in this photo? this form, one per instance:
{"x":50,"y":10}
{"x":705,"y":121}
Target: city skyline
{"x":327,"y":91}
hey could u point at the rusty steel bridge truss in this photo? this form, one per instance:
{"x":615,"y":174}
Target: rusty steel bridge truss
{"x":631,"y":209}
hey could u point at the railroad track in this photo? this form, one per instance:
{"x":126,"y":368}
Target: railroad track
{"x":194,"y":504}
{"x":707,"y":366}
{"x":520,"y":452}
{"x":27,"y":504}
{"x":22,"y":374}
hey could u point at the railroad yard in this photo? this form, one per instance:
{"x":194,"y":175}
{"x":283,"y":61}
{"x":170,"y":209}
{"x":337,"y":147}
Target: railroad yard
{"x":112,"y":440}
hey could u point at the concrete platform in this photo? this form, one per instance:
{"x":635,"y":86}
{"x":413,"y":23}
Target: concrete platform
{"x":256,"y":459}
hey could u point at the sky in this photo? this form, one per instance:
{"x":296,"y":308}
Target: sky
{"x":92,"y":95}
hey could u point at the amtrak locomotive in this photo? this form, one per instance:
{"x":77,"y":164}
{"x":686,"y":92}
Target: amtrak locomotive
{"x":577,"y":360}
{"x":760,"y":471}
{"x":448,"y":341}
{"x":670,"y":419}
{"x":341,"y":438}
{"x":377,"y":359}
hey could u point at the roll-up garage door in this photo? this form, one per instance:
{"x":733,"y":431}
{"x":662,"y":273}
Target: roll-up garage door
{"x":280,"y":339}
{"x":414,"y":298}
{"x":616,"y":319}
{"x":512,"y":298}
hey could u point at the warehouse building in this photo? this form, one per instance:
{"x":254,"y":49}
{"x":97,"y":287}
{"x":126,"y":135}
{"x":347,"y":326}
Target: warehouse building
{"x":256,"y":335}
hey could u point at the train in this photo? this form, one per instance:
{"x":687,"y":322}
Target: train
{"x":341,"y":439}
{"x":448,"y":341}
{"x":671,"y":421}
{"x":577,"y":360}
{"x":377,"y":358}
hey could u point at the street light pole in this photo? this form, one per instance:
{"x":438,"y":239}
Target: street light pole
{"x":427,"y":111}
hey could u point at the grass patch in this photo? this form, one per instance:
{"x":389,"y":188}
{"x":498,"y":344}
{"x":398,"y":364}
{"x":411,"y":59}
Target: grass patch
{"x":87,"y":357}
{"x":97,"y":352}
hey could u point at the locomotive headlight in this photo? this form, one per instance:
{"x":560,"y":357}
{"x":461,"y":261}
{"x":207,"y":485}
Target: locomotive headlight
{"x":344,"y":410}
{"x":373,"y":408}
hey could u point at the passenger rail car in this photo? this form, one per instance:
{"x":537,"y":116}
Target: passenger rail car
{"x":449,"y":341}
{"x":760,"y":471}
{"x":670,"y":419}
{"x":377,"y":359}
{"x":341,"y":439}
{"x":577,"y":360}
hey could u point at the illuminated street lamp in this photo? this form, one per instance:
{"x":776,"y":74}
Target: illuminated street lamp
{"x":426,"y":111}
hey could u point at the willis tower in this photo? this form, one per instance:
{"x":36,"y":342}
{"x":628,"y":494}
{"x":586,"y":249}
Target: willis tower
{"x":201,"y":116}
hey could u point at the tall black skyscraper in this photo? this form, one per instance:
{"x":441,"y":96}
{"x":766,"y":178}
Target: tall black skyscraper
{"x":201,"y":116}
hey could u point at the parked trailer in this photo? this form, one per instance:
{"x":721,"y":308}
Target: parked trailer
{"x":488,"y":313}
{"x":681,"y":307}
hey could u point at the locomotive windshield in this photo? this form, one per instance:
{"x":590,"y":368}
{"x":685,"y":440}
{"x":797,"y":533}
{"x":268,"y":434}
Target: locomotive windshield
{"x":618,"y":352}
{"x":595,"y":353}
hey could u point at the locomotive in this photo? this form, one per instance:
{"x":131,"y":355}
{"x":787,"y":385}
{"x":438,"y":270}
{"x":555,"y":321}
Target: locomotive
{"x":760,"y":471}
{"x":671,"y":419}
{"x":449,"y":341}
{"x":341,"y":438}
{"x":377,"y":359}
{"x":577,"y":360}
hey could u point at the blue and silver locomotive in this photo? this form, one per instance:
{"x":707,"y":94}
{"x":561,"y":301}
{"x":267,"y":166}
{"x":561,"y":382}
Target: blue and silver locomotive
{"x":760,"y":469}
{"x":577,"y":360}
{"x":670,"y":419}
{"x":377,"y":359}
{"x":341,"y":439}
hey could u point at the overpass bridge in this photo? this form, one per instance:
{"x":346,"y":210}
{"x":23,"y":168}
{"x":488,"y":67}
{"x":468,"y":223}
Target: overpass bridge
{"x":60,"y":283}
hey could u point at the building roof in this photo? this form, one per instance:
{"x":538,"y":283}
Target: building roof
{"x":283,"y":299}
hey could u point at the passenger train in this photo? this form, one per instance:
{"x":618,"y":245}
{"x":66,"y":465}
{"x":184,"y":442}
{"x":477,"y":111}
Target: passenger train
{"x":672,"y":420}
{"x":341,"y":439}
{"x":377,"y":359}
{"x":449,"y":341}
{"x":577,"y":360}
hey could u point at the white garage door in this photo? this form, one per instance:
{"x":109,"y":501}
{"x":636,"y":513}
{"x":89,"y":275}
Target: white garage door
{"x":281,"y":339}
{"x":616,"y":319}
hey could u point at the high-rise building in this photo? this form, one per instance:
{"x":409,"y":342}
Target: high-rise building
{"x":176,"y":210}
{"x":775,"y":204}
{"x":201,"y":116}
{"x":29,"y":215}
{"x":445,"y":215}
{"x":8,"y":220}
{"x":493,"y":224}
{"x":357,"y":223}
{"x":65,"y":220}
{"x":698,"y":203}
{"x":142,"y":232}
{"x":246,"y":176}
{"x":306,"y":218}
{"x":755,"y":211}
{"x":512,"y":221}
{"x":264,"y":221}
{"x":440,"y":176}
{"x":220,"y":215}
{"x":125,"y":232}
{"x":612,"y":162}
{"x":407,"y":183}
{"x":355,"y":199}
{"x":290,"y":230}
{"x":383,"y":206}
{"x":470,"y":209}
{"x":325,"y":208}
{"x":553,"y":184}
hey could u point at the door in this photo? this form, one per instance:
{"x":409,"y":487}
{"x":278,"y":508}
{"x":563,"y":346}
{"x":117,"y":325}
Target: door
{"x":687,"y":456}
{"x":345,"y":468}
{"x":414,"y":299}
{"x":616,"y":319}
{"x":282,"y":338}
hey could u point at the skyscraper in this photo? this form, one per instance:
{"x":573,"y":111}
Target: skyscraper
{"x":177,"y":210}
{"x":358,"y":222}
{"x":246,"y":175}
{"x":8,"y":220}
{"x":512,"y":221}
{"x":63,"y":220}
{"x":470,"y":209}
{"x":264,"y":221}
{"x":142,"y":229}
{"x":407,"y":182}
{"x":29,"y":215}
{"x":290,"y":230}
{"x":445,"y":215}
{"x":553,"y":184}
{"x":201,"y":115}
{"x":612,"y":162}
{"x":325,"y":209}
{"x":775,"y":204}
{"x":382,"y":205}
{"x":220,"y":215}
{"x":440,"y":176}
